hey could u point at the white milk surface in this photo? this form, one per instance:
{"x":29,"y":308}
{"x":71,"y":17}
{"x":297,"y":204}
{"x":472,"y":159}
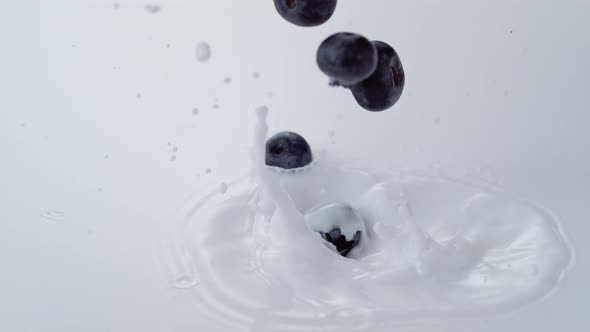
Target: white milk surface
{"x":434,"y":250}
{"x":134,"y":197}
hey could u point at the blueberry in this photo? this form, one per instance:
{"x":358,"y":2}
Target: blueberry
{"x":287,"y":150}
{"x":384,"y":87}
{"x":306,"y":13}
{"x":343,"y":246}
{"x":338,"y":224}
{"x":347,"y":58}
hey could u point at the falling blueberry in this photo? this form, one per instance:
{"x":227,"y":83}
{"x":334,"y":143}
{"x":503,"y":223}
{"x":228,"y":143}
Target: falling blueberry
{"x":306,"y":13}
{"x":384,"y":87}
{"x":347,"y":58}
{"x":287,"y":150}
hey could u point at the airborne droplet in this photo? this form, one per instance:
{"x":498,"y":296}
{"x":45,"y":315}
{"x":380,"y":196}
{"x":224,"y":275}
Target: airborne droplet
{"x":203,"y":52}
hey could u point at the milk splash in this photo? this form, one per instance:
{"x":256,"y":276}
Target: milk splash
{"x":436,"y":250}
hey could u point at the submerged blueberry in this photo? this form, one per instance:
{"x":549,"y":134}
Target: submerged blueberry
{"x":347,"y":58}
{"x":384,"y":87}
{"x":342,"y":244}
{"x":340,"y":225}
{"x":287,"y":150}
{"x":306,"y":13}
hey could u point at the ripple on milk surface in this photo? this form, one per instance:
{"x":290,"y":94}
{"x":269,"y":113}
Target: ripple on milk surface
{"x":434,"y":248}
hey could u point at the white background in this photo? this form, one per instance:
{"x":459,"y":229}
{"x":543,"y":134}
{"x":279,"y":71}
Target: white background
{"x":494,"y":89}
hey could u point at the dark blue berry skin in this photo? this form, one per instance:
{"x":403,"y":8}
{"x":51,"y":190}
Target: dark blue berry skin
{"x":347,"y":58}
{"x":287,"y":150}
{"x":306,"y":13}
{"x":339,"y":241}
{"x":384,"y":87}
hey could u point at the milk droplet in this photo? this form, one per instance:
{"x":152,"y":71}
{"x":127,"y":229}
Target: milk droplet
{"x":227,"y":80}
{"x":195,"y":111}
{"x":152,"y":8}
{"x":203,"y":52}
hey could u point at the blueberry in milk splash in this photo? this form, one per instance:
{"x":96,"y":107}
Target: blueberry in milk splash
{"x":306,"y":13}
{"x":339,"y":224}
{"x":288,"y":150}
